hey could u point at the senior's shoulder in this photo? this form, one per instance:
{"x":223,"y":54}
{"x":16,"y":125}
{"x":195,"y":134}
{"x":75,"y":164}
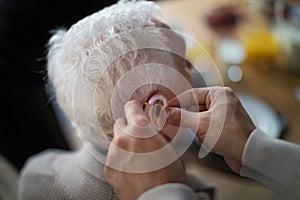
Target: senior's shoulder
{"x":45,"y":160}
{"x":60,"y":163}
{"x":38,"y":177}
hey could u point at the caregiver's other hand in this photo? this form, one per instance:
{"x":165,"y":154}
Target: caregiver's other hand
{"x":216,"y":106}
{"x":132,"y":185}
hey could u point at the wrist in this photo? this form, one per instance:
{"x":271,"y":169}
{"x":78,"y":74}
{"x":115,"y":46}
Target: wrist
{"x":234,"y":150}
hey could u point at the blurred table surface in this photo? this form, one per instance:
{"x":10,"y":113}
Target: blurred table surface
{"x":276,"y":86}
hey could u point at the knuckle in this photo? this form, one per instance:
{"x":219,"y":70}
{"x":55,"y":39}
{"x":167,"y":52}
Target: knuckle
{"x":139,"y":119}
{"x":120,"y":141}
{"x":229,"y":92}
{"x":174,"y":116}
{"x":228,"y":89}
{"x":232,"y":98}
{"x":131,"y":103}
{"x":217,"y":88}
{"x":127,"y":105}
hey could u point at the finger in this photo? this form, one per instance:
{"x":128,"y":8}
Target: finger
{"x":119,"y":126}
{"x":138,"y":122}
{"x":120,"y":139}
{"x":196,"y":108}
{"x":170,"y":131}
{"x":175,"y":117}
{"x":197,"y":96}
{"x":197,"y":122}
{"x":135,"y":114}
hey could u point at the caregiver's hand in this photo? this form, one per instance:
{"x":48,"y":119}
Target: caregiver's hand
{"x":132,"y":185}
{"x":217,"y":106}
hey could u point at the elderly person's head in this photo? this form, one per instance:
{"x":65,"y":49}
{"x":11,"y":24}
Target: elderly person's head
{"x":119,"y":53}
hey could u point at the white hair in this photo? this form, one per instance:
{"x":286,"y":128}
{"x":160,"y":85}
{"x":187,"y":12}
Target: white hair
{"x":86,"y":61}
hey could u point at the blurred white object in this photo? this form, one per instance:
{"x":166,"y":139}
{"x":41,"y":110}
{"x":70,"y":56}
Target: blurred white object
{"x":8,"y":180}
{"x":262,"y":115}
{"x":234,"y":73}
{"x":230,"y":51}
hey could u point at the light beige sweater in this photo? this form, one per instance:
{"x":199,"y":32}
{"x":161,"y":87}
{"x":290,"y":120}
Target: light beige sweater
{"x":57,"y":174}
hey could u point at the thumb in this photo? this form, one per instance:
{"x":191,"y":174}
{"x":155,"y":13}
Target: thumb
{"x":198,"y":122}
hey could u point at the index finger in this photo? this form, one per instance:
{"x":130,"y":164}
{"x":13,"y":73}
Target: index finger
{"x":196,"y":96}
{"x":135,"y":114}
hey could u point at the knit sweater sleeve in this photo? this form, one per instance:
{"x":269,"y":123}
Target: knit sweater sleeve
{"x":273,"y":162}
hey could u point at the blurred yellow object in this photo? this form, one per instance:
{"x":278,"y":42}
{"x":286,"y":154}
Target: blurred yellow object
{"x":260,"y":44}
{"x":196,"y":51}
{"x":193,"y":53}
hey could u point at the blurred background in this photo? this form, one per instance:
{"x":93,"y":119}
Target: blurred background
{"x":252,"y":46}
{"x":29,"y":123}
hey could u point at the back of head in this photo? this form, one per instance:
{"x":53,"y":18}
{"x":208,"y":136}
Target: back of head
{"x":86,"y":62}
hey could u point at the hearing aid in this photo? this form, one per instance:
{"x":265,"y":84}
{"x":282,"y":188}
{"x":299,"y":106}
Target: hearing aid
{"x":157,"y":112}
